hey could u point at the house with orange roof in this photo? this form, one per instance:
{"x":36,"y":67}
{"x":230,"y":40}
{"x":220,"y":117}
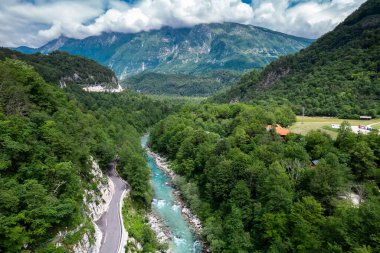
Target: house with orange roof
{"x":279,"y":130}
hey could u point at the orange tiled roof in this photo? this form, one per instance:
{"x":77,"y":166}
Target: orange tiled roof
{"x":279,"y":130}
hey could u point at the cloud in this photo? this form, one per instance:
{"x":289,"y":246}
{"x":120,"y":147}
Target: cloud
{"x":36,"y":22}
{"x":302,"y":18}
{"x":149,"y":14}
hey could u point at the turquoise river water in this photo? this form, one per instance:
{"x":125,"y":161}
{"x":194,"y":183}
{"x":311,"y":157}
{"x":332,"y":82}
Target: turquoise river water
{"x":183,"y":240}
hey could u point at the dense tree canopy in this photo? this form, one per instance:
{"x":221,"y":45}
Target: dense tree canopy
{"x":181,"y":84}
{"x":63,"y":68}
{"x":46,"y":140}
{"x":338,"y":75}
{"x":258,"y":192}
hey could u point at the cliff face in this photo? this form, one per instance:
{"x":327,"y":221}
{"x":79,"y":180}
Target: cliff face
{"x":95,"y":203}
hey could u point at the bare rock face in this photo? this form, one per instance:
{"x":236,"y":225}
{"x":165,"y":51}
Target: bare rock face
{"x":83,"y":246}
{"x":96,"y":201}
{"x":274,"y":76}
{"x":103,"y":88}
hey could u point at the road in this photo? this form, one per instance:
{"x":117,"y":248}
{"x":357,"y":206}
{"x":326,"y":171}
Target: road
{"x":370,"y":125}
{"x":111,"y":221}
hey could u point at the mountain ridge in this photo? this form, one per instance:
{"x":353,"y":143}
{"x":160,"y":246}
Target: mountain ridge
{"x":195,"y":50}
{"x":338,"y":75}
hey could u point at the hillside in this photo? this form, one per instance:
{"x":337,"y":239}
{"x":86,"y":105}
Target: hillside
{"x":48,"y":138}
{"x":255,"y":191}
{"x":181,"y":84}
{"x":195,"y":50}
{"x":62,"y":68}
{"x":338,"y":75}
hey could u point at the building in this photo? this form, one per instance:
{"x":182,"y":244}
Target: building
{"x":314,"y":162}
{"x":279,"y":130}
{"x":365,"y":117}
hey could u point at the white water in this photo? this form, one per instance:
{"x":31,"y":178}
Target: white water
{"x":183,"y":239}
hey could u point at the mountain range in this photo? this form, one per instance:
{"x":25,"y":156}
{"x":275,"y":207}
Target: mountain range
{"x":196,"y":50}
{"x":338,"y":75}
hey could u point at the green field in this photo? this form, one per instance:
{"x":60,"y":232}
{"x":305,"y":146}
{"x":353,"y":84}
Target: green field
{"x":306,"y":124}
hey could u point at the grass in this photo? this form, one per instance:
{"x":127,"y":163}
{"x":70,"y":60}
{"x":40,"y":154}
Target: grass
{"x":306,"y":124}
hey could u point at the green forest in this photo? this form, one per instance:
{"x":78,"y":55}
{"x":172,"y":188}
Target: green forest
{"x":258,"y":192}
{"x":182,"y":84}
{"x":61,"y":68}
{"x":46,"y":139}
{"x":338,"y":75}
{"x":253,"y":190}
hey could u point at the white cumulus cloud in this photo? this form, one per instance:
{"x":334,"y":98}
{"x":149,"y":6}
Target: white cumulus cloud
{"x":36,"y":22}
{"x":308,"y":19}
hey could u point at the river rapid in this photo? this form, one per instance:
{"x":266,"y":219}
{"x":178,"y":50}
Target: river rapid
{"x":164,"y":207}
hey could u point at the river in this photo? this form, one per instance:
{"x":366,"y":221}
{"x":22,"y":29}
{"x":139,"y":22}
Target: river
{"x":163,"y":205}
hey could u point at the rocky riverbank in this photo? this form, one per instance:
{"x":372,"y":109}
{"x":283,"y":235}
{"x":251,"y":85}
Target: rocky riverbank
{"x":193,"y":220}
{"x":162,"y":232}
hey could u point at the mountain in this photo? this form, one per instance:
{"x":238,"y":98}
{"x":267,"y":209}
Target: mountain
{"x":181,"y":84}
{"x":196,"y":50}
{"x":62,"y":68}
{"x":338,"y":75}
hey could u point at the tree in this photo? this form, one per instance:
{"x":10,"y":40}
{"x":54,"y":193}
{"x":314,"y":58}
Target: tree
{"x":241,"y":197}
{"x":318,"y":144}
{"x":328,"y":178}
{"x":237,"y":239}
{"x":274,"y":231}
{"x":362,"y":160}
{"x":306,"y":218}
{"x":275,"y":189}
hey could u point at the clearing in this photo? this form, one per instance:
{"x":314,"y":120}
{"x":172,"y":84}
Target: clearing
{"x":324,"y":124}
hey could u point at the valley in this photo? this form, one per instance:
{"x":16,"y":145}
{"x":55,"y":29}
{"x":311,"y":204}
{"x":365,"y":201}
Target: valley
{"x":183,"y":61}
{"x":162,"y":134}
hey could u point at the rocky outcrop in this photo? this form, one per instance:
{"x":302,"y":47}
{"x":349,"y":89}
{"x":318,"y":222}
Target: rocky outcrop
{"x":273,"y":76}
{"x":84,"y":246}
{"x":95,"y":201}
{"x":102,"y":88}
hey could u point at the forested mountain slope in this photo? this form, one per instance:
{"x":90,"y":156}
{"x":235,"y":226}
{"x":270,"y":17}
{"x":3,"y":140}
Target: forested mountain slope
{"x":181,"y":84}
{"x":47,"y":137}
{"x":195,"y":50}
{"x":338,"y":75}
{"x":62,"y":68}
{"x":258,"y":192}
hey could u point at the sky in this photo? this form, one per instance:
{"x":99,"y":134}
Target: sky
{"x":33,"y":23}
